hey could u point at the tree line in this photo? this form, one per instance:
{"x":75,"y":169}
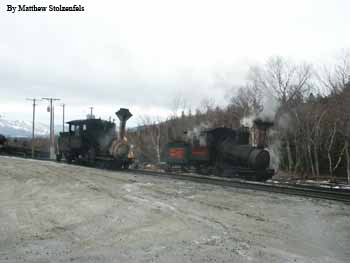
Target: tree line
{"x":310,"y":107}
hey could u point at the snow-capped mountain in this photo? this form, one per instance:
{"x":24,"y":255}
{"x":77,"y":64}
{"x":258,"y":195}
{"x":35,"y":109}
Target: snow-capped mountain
{"x":22,"y":128}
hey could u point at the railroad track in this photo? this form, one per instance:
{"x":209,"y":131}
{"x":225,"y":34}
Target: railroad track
{"x":341,"y":195}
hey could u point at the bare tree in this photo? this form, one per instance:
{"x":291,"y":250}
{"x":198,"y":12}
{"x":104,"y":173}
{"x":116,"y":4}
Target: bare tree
{"x":178,"y":104}
{"x":336,"y":77}
{"x":330,"y":144}
{"x":247,"y":100}
{"x":207,"y":105}
{"x":153,"y":132}
{"x":288,"y":83}
{"x":148,"y":139}
{"x":344,"y":113}
{"x":282,"y":79}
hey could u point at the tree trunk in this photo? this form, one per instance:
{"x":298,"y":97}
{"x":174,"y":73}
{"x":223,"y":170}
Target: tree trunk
{"x":339,"y":158}
{"x":330,"y":169}
{"x":158,"y":145}
{"x":317,"y":168}
{"x":330,"y":162}
{"x":310,"y":159}
{"x":289,"y":155}
{"x":347,"y":159}
{"x":297,"y":156}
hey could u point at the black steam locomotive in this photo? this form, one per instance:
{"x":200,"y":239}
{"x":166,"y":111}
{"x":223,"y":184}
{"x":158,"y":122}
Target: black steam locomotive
{"x":95,"y":142}
{"x":223,"y":152}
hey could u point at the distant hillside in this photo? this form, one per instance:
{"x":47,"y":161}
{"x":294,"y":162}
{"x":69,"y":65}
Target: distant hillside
{"x":22,"y":128}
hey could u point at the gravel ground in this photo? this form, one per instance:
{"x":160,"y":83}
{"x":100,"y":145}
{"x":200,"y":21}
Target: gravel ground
{"x":52,"y":212}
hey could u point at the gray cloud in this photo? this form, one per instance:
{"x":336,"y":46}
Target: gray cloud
{"x":146,"y":53}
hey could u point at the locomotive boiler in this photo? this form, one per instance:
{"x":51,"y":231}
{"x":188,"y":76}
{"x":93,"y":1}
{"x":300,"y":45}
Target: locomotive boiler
{"x":224,"y":152}
{"x":95,"y":141}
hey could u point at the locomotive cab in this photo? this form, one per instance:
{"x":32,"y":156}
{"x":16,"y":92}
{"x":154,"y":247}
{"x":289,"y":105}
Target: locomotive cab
{"x":85,"y":139}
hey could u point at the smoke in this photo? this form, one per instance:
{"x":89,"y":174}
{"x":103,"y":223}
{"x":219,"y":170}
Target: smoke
{"x":248,"y":121}
{"x":273,"y":148}
{"x":196,"y":131}
{"x":285,"y":122}
{"x":270,"y":107}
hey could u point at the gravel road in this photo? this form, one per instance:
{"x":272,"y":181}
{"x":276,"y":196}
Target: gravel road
{"x":51,"y":212}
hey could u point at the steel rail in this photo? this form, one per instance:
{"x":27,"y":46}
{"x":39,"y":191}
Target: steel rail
{"x":314,"y":192}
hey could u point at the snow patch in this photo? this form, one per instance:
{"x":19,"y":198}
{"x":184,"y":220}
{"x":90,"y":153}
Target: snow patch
{"x":22,"y":128}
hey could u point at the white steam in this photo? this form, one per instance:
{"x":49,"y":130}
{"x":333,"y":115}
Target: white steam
{"x":196,"y":131}
{"x":270,"y":107}
{"x":248,"y":121}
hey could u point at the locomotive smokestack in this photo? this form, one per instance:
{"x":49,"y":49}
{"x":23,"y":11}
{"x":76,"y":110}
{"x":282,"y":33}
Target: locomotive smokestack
{"x":123,"y":115}
{"x":261,"y":128}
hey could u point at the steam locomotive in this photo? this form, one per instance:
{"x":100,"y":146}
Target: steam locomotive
{"x":95,"y":142}
{"x":223,"y":152}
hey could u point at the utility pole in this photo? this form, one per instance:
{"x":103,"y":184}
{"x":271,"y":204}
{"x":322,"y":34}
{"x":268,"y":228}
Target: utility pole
{"x":52,"y":128}
{"x":91,"y":108}
{"x":63,"y":106}
{"x":33,"y":125}
{"x":90,"y":116}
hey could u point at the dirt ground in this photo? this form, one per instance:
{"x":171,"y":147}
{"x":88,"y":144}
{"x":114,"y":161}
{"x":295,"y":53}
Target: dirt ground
{"x":51,"y":212}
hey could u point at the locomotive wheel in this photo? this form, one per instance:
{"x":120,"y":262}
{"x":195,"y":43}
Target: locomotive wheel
{"x":59,"y":156}
{"x":91,"y":154}
{"x":205,"y":170}
{"x":168,"y":168}
{"x":68,"y":157}
{"x":184,"y":169}
{"x":218,"y":169}
{"x":69,"y":160}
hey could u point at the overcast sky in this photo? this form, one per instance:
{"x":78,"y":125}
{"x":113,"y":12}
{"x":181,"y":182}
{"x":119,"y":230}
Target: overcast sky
{"x":143,"y":54}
